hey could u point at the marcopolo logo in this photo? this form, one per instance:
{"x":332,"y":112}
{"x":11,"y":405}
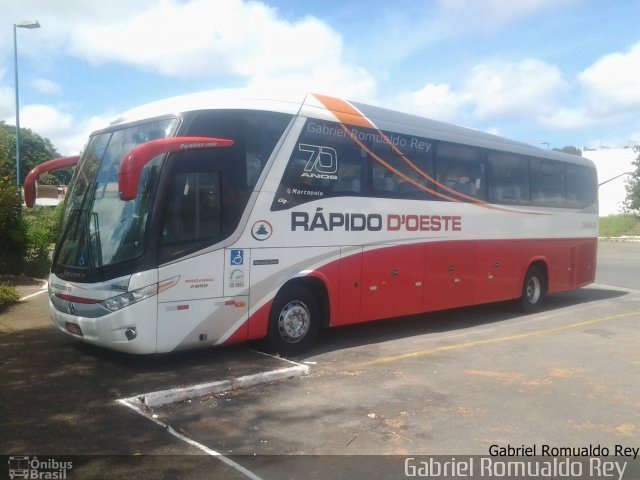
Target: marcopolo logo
{"x":35,"y":468}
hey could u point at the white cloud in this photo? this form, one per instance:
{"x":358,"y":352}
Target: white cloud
{"x":612,"y":84}
{"x":609,"y":93}
{"x":568,"y":119}
{"x":46,"y":87}
{"x":491,"y":14}
{"x":527,"y":88}
{"x":496,"y":90}
{"x":212,"y":39}
{"x":436,"y":101}
{"x":67,"y":134}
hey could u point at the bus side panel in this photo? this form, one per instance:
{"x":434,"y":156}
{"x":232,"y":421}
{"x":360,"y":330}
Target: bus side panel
{"x":586,"y":262}
{"x":497,"y":277}
{"x":449,"y":275}
{"x":392,"y":282}
{"x":559,"y":254}
{"x":350,"y":286}
{"x":259,"y":322}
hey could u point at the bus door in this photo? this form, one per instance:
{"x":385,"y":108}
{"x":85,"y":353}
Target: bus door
{"x":195,"y":311}
{"x":392,"y":282}
{"x":449,"y":275}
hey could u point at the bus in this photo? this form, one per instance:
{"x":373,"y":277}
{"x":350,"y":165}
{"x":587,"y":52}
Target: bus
{"x":209,"y":220}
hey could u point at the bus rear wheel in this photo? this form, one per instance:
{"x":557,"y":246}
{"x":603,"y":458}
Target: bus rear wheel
{"x":533,"y":290}
{"x":294,"y":321}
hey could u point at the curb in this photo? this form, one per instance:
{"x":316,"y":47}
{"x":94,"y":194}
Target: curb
{"x":172,"y":395}
{"x":624,"y":238}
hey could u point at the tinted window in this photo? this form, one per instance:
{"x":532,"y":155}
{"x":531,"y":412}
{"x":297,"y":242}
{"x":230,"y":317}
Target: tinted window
{"x":330,"y":160}
{"x":460,"y":170}
{"x":547,"y":183}
{"x":581,"y":185}
{"x":508,"y":178}
{"x":208,"y":190}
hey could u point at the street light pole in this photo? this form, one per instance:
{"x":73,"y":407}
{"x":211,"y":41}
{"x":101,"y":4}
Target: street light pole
{"x":29,"y":25}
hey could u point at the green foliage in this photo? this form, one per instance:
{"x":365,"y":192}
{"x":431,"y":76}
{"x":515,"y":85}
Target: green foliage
{"x":632,"y":202}
{"x":8,"y":296}
{"x":42,"y":230}
{"x":569,"y":149}
{"x":34,"y":150}
{"x":25,"y":236}
{"x":12,"y":228}
{"x":619,"y":225}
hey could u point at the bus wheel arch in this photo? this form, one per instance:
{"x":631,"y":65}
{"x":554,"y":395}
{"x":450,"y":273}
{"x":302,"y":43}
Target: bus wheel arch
{"x":535,"y":285}
{"x":298,"y":312}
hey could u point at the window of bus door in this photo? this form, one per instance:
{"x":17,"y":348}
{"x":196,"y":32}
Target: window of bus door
{"x":207,"y":190}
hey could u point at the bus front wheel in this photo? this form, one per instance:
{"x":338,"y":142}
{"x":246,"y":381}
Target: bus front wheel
{"x":533,"y":290}
{"x":294,"y":321}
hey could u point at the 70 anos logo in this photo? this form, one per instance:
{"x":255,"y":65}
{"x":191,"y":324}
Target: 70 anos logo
{"x":322,"y":162}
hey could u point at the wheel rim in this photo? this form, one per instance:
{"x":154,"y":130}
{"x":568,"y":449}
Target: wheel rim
{"x":534,"y":290}
{"x":294,"y":321}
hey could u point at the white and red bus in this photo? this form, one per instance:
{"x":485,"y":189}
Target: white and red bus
{"x":204,"y":220}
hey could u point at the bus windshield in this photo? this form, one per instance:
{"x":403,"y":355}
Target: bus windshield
{"x":98,"y":228}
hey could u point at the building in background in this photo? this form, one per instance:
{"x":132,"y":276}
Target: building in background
{"x":612,"y":162}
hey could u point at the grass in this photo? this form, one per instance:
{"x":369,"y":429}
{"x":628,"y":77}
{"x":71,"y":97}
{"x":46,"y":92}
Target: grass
{"x":8,"y":296}
{"x":619,"y":225}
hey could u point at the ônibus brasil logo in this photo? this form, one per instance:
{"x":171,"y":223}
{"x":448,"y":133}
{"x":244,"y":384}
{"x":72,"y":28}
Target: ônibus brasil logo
{"x":261,"y":230}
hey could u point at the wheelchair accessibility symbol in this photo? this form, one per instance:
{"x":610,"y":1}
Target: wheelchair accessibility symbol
{"x":237,"y":257}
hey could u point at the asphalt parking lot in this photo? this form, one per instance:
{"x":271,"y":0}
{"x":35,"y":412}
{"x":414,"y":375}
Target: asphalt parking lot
{"x":450,"y":383}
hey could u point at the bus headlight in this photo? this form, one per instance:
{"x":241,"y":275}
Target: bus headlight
{"x":129,"y":298}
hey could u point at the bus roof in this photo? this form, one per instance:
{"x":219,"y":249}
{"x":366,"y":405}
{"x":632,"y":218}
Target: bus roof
{"x":329,"y":108}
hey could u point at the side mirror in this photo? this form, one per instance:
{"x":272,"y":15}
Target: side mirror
{"x":46,"y":167}
{"x":133,"y":163}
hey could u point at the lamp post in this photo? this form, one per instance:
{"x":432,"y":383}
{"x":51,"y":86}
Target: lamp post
{"x":30,"y":25}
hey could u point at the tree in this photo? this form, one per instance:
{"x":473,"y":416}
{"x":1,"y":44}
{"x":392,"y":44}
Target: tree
{"x":34,"y":150}
{"x":569,"y":149}
{"x":632,"y":202}
{"x":13,"y":235}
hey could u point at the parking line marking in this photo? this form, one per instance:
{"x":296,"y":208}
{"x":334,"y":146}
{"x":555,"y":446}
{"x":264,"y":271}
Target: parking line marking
{"x":193,"y":443}
{"x":488,"y":341}
{"x":44,"y":289}
{"x":140,"y":403}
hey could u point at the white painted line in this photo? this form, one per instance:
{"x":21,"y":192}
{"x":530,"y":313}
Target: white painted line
{"x":141,"y":403}
{"x":44,"y":289}
{"x":193,"y":443}
{"x":172,"y":395}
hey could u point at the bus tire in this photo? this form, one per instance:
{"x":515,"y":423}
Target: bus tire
{"x":533,"y":290}
{"x":294,"y":321}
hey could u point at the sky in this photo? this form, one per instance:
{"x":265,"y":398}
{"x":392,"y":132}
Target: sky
{"x":546,"y":72}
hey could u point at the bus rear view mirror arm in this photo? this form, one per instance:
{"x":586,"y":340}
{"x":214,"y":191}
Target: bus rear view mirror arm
{"x":46,"y":167}
{"x":133,"y":163}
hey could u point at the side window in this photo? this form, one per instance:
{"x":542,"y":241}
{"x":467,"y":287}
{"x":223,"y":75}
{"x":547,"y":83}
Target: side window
{"x":460,"y":169}
{"x":581,"y":186}
{"x":325,"y":162}
{"x":508,"y":178}
{"x":332,"y":161}
{"x":547,"y":183}
{"x":407,"y":167}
